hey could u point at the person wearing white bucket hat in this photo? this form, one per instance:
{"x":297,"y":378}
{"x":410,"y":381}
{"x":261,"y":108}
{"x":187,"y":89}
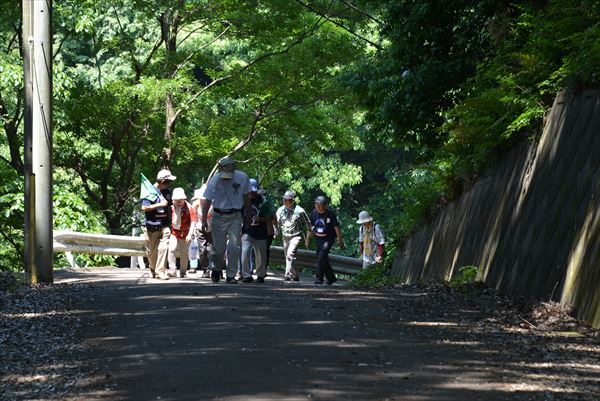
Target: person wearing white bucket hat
{"x":371,"y":240}
{"x":183,"y":224}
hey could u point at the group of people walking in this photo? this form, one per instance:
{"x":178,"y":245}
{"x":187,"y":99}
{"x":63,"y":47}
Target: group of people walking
{"x":234,"y":223}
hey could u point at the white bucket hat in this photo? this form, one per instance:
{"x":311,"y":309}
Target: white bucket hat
{"x":178,"y":194}
{"x":199,"y":193}
{"x":364,"y":217}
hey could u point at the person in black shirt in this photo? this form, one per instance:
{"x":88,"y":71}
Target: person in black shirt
{"x":254,"y":235}
{"x":325,"y":228}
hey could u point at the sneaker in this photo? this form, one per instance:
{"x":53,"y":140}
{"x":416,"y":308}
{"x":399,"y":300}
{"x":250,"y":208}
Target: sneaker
{"x":247,"y":280}
{"x":296,"y":279}
{"x":286,"y":278}
{"x":260,"y":279}
{"x":331,"y":281}
{"x":206,"y":274}
{"x":231,"y":280}
{"x":163,"y":276}
{"x":172,"y":273}
{"x":215,"y":275}
{"x":317,"y":281}
{"x":193,"y":271}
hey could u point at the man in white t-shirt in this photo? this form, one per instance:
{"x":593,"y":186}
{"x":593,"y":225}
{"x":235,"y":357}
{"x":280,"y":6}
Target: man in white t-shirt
{"x":227,"y":192}
{"x":370,"y":239}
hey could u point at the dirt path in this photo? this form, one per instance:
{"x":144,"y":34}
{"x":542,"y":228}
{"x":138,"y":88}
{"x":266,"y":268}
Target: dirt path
{"x":193,"y":340}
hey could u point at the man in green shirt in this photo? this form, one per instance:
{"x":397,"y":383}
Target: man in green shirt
{"x":293,"y":222}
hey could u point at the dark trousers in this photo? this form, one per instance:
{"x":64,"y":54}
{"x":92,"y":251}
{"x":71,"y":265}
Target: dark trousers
{"x":323,"y":266}
{"x":204,"y":249}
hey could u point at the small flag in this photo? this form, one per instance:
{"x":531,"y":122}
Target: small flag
{"x":147,"y":190}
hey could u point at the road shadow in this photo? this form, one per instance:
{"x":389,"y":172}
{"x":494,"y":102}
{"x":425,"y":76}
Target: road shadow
{"x":195,"y":340}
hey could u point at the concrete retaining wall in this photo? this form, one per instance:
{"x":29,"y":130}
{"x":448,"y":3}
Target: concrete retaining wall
{"x":532,"y":222}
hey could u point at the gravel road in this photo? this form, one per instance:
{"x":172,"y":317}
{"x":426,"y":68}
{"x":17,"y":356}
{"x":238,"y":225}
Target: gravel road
{"x":113,"y":334}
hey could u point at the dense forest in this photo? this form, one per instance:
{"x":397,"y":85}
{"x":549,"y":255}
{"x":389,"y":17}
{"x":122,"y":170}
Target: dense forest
{"x":393,"y":106}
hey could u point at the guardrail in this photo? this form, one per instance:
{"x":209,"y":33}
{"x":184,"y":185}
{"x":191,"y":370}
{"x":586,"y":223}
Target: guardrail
{"x":122,"y":245}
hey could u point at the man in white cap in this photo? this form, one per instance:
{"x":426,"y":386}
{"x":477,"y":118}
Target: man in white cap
{"x":183,"y":224}
{"x":227,"y":192}
{"x":157,"y":225}
{"x":370,"y":239}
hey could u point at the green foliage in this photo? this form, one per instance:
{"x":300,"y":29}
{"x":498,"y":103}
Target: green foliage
{"x":467,"y":275}
{"x":468,"y":280}
{"x":457,"y":84}
{"x":377,"y":276}
{"x":438,"y":90}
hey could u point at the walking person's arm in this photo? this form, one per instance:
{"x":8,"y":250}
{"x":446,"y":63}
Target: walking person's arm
{"x":339,"y":237}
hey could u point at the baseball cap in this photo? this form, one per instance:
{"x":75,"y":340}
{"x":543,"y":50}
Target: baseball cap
{"x":253,"y":185}
{"x":321,"y":200}
{"x":165,"y":175}
{"x":227,"y":167}
{"x":289,"y":195}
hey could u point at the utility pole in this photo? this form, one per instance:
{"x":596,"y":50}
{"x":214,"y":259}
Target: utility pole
{"x":37,"y":72}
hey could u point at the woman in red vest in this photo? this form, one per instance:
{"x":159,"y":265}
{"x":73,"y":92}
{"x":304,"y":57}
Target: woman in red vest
{"x":183,"y":223}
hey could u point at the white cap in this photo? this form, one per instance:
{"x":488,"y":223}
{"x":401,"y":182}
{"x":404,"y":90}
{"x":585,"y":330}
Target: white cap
{"x":364,"y":217}
{"x":253,"y":185}
{"x":178,"y":194}
{"x":165,"y":175}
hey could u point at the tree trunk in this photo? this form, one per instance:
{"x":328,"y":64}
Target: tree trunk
{"x":169,"y":130}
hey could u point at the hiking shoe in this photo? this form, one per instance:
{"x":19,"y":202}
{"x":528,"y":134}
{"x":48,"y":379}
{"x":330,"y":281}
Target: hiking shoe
{"x":317,"y":281}
{"x":231,"y":280}
{"x":247,"y":280}
{"x":331,"y":281}
{"x":215,"y":275}
{"x":260,"y":279}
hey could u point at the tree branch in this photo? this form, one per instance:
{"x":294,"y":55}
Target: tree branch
{"x":263,"y":57}
{"x":314,"y":10}
{"x":352,"y":6}
{"x":197,"y":51}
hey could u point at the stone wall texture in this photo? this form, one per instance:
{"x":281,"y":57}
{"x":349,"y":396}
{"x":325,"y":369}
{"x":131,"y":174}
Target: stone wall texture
{"x":531,"y":222}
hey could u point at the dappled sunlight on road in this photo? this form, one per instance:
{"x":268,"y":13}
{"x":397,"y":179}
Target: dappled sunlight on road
{"x":276,"y":341}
